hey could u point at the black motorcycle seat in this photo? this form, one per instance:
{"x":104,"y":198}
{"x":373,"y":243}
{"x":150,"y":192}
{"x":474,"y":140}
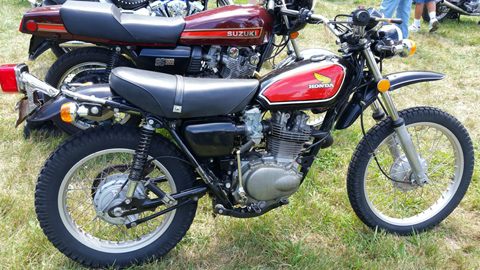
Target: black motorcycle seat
{"x":105,"y":21}
{"x":174,"y":96}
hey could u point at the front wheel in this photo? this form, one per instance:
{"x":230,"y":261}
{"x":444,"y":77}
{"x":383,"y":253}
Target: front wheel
{"x":442,"y":12}
{"x":85,"y":175}
{"x":396,"y":204}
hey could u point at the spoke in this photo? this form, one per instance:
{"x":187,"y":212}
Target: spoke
{"x":435,"y":145}
{"x":83,"y":188}
{"x":440,"y":166}
{"x":115,"y":233}
{"x":89,"y":223}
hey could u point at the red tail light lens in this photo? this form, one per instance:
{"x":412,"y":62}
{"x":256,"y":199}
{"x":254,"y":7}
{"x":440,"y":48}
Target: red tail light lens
{"x":8,"y":79}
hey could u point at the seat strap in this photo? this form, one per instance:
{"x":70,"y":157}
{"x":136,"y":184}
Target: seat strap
{"x":177,"y":106}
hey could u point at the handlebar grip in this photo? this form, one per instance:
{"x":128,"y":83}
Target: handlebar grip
{"x":389,"y":20}
{"x":270,"y":6}
{"x":384,"y":48}
{"x":289,"y":12}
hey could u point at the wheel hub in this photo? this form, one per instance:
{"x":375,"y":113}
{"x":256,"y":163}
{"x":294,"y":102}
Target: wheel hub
{"x":109,"y":193}
{"x":402,"y":171}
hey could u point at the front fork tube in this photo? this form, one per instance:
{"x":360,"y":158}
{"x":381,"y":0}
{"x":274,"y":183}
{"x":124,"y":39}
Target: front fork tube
{"x":398,"y":124}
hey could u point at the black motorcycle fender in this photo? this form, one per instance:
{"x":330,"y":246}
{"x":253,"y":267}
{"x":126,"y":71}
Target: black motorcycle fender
{"x":51,"y":108}
{"x":38,"y":45}
{"x":397,"y":80}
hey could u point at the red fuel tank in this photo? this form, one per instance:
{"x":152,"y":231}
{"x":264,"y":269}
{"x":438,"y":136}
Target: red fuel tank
{"x":234,"y":25}
{"x":312,"y":83}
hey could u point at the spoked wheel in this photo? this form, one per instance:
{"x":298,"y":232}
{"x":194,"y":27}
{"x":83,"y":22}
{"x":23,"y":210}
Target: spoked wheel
{"x":442,"y":12}
{"x":81,"y":66}
{"x":87,"y":174}
{"x":396,"y":204}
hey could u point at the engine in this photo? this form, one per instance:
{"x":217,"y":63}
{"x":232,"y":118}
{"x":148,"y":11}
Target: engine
{"x":166,"y":8}
{"x":232,"y":62}
{"x":472,"y":6}
{"x":173,"y":8}
{"x":273,"y":175}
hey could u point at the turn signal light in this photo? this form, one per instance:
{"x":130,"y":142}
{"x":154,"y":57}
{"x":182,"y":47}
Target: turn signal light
{"x":408,"y":48}
{"x":8,"y":79}
{"x":383,"y":85}
{"x":294,"y":35}
{"x":68,"y":112}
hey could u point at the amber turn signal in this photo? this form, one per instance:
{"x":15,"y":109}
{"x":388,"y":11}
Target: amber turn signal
{"x":408,"y":48}
{"x":66,"y":112}
{"x":294,"y":35}
{"x":383,"y":85}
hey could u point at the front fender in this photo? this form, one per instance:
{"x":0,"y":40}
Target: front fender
{"x":51,"y":109}
{"x":397,"y":80}
{"x":401,"y":79}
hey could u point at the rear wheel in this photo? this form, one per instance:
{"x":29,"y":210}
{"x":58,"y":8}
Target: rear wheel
{"x":85,"y":175}
{"x":81,"y":66}
{"x":396,"y":204}
{"x":442,"y":12}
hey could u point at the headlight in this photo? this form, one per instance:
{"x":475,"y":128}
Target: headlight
{"x":390,"y":32}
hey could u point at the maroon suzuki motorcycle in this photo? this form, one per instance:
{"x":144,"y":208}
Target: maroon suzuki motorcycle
{"x":226,"y":42}
{"x":119,"y":195}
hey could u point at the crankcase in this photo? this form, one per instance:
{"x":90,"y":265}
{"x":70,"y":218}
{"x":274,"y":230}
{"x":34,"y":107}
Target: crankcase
{"x":267,"y":180}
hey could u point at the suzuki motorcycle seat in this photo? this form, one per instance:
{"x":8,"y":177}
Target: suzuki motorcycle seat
{"x":105,"y":21}
{"x":174,"y":96}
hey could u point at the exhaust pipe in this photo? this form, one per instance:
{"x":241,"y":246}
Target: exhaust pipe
{"x":459,"y":10}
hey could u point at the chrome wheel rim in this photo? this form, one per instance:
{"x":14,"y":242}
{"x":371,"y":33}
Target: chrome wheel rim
{"x":77,"y":209}
{"x":81,"y":71}
{"x":442,"y":157}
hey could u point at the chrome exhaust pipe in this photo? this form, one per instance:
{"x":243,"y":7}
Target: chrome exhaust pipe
{"x":459,"y":10}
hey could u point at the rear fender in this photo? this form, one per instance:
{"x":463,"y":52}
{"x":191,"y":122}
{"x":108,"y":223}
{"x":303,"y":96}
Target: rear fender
{"x":38,"y":45}
{"x":51,"y":109}
{"x":397,"y":80}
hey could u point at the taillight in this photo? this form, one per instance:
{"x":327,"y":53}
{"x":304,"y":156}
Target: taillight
{"x":21,"y":24}
{"x":9,"y":76}
{"x":8,"y":80}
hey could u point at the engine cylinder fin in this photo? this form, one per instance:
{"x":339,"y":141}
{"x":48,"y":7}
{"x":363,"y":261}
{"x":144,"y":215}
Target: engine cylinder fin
{"x":285,"y":143}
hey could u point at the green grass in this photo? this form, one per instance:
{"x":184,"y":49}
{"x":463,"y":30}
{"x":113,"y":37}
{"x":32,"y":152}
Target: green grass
{"x":318,"y":229}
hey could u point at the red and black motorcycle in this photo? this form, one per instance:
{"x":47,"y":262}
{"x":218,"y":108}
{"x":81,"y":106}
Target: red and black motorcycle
{"x":225,"y":42}
{"x":166,"y":8}
{"x":119,"y":195}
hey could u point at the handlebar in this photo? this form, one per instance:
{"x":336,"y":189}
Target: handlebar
{"x":270,"y":6}
{"x":361,"y":19}
{"x":387,"y":20}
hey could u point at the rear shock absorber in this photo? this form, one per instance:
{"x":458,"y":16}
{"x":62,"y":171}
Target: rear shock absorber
{"x":112,"y":64}
{"x":139,"y":162}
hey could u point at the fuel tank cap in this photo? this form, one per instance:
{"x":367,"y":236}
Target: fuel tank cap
{"x":318,"y":58}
